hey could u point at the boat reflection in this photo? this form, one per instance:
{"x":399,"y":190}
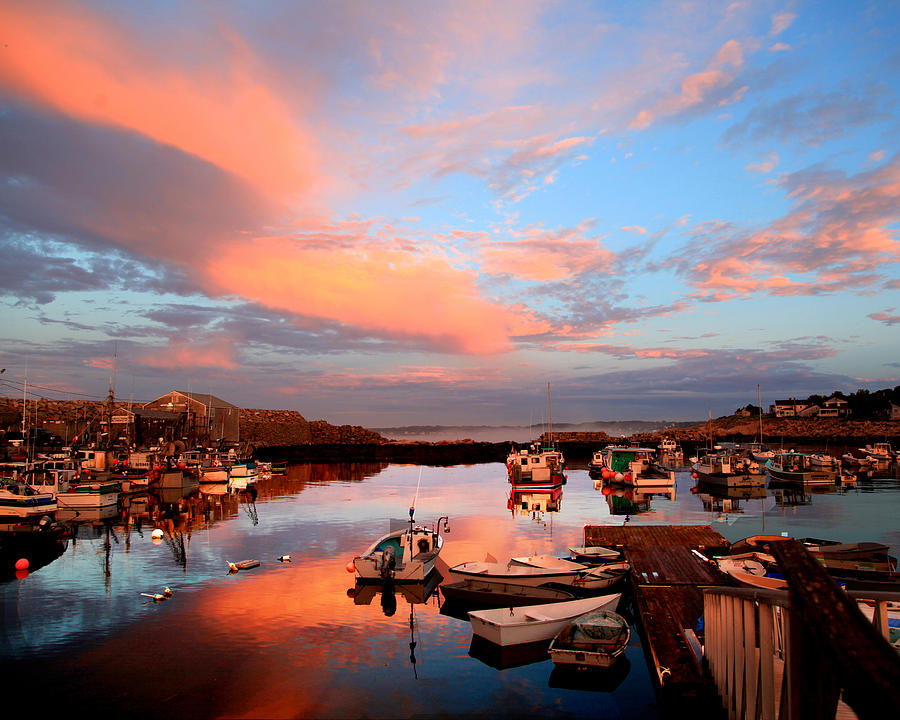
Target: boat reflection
{"x":523,"y":501}
{"x":417,"y":593}
{"x":36,"y":543}
{"x":592,"y":680}
{"x":503,"y":657}
{"x":628,"y":500}
{"x":716,"y":498}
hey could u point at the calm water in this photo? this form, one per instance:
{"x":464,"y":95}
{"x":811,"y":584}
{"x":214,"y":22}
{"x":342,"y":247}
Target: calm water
{"x":297,"y":639}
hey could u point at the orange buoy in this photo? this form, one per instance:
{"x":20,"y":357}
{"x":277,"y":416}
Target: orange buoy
{"x":350,"y":567}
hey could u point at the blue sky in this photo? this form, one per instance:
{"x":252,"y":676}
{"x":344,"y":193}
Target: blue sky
{"x":425,"y":213}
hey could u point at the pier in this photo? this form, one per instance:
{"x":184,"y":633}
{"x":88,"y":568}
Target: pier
{"x":668,"y":578}
{"x":807,"y":652}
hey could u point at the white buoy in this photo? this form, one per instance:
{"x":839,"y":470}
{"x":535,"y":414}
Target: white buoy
{"x":285,"y":558}
{"x":156,"y":534}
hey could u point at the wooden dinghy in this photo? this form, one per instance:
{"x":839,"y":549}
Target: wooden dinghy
{"x":596,"y":639}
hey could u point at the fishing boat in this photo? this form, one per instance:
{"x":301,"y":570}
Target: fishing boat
{"x":534,"y":623}
{"x":795,"y":467}
{"x":20,"y":500}
{"x":634,"y":466}
{"x":404,"y":554}
{"x":242,"y":476}
{"x":486,"y":594}
{"x":879,"y":452}
{"x":824,"y":460}
{"x":728,"y":469}
{"x":596,"y":639}
{"x":88,"y":494}
{"x":670,"y":450}
{"x":537,"y":465}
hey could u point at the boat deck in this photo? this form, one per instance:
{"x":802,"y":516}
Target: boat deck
{"x":668,"y":580}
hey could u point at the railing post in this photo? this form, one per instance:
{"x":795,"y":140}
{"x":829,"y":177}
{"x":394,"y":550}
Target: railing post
{"x":767,"y":662}
{"x":751,"y":660}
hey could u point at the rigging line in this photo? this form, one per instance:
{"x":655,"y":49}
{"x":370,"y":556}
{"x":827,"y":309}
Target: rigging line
{"x":21,"y":385}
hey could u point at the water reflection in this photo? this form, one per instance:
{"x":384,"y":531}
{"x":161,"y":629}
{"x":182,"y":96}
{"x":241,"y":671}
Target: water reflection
{"x":532,"y":503}
{"x":629,"y":500}
{"x":303,"y":644}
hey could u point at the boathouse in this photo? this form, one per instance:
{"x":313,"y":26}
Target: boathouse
{"x":207,"y":418}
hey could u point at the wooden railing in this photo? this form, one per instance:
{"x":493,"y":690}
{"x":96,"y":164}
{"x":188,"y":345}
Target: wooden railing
{"x":805,"y":653}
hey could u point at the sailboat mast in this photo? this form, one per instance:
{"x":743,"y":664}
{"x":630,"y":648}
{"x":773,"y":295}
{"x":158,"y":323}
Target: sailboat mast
{"x":759,"y":402}
{"x":550,"y":415}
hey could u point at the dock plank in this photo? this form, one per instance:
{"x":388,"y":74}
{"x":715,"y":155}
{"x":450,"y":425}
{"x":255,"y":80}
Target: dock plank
{"x":667,"y":580}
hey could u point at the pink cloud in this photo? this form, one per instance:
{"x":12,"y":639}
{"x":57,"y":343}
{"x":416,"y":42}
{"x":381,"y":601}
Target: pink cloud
{"x":88,"y":67}
{"x":546,"y":256}
{"x":194,"y":353}
{"x":764,"y":166}
{"x":888,"y":318}
{"x":781,"y":22}
{"x":838,"y":236}
{"x":385,"y":290}
{"x":699,"y":88}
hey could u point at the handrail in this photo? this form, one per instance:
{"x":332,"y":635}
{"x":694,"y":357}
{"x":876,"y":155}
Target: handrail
{"x":816,"y":629}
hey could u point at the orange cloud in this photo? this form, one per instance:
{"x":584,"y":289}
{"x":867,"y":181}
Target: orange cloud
{"x":543,"y":256}
{"x":218,"y":353}
{"x":697,"y":88}
{"x":85,"y":66}
{"x":383,"y":290}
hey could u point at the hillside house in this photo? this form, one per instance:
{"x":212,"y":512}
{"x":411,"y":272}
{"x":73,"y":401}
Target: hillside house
{"x":835,"y":407}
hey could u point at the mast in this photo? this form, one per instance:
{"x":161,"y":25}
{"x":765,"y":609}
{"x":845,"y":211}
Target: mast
{"x":550,"y":417}
{"x":759,"y":402}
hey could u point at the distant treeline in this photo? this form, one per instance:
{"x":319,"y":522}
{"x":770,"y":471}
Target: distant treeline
{"x":863,"y":404}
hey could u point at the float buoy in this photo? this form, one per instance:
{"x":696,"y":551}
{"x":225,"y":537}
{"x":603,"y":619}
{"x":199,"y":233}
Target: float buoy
{"x":350,"y":567}
{"x":22,"y":564}
{"x":157,"y":534}
{"x":285,"y":558}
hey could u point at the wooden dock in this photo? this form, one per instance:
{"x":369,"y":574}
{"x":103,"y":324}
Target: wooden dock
{"x":668,"y":578}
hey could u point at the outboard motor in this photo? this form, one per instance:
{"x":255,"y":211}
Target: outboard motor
{"x":388,"y":562}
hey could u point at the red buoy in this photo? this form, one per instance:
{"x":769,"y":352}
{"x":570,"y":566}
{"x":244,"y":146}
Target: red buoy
{"x":22,"y":564}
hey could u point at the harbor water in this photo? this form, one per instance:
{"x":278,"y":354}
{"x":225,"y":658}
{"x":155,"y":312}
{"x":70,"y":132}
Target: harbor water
{"x":299,"y":638}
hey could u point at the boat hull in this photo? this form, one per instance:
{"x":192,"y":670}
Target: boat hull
{"x":413,"y":560}
{"x":595,"y":640}
{"x":79,"y":499}
{"x":491,"y":595}
{"x":512,"y":574}
{"x":534,"y":623}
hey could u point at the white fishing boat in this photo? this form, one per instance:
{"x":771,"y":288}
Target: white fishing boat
{"x":405,"y":554}
{"x":21,"y":500}
{"x":795,"y":467}
{"x":634,"y":466}
{"x":596,"y":639}
{"x":242,"y":476}
{"x":670,"y":450}
{"x":534,"y":623}
{"x":728,"y":469}
{"x":87,"y":494}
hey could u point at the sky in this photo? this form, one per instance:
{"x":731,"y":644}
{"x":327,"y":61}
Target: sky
{"x":403,"y":213}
